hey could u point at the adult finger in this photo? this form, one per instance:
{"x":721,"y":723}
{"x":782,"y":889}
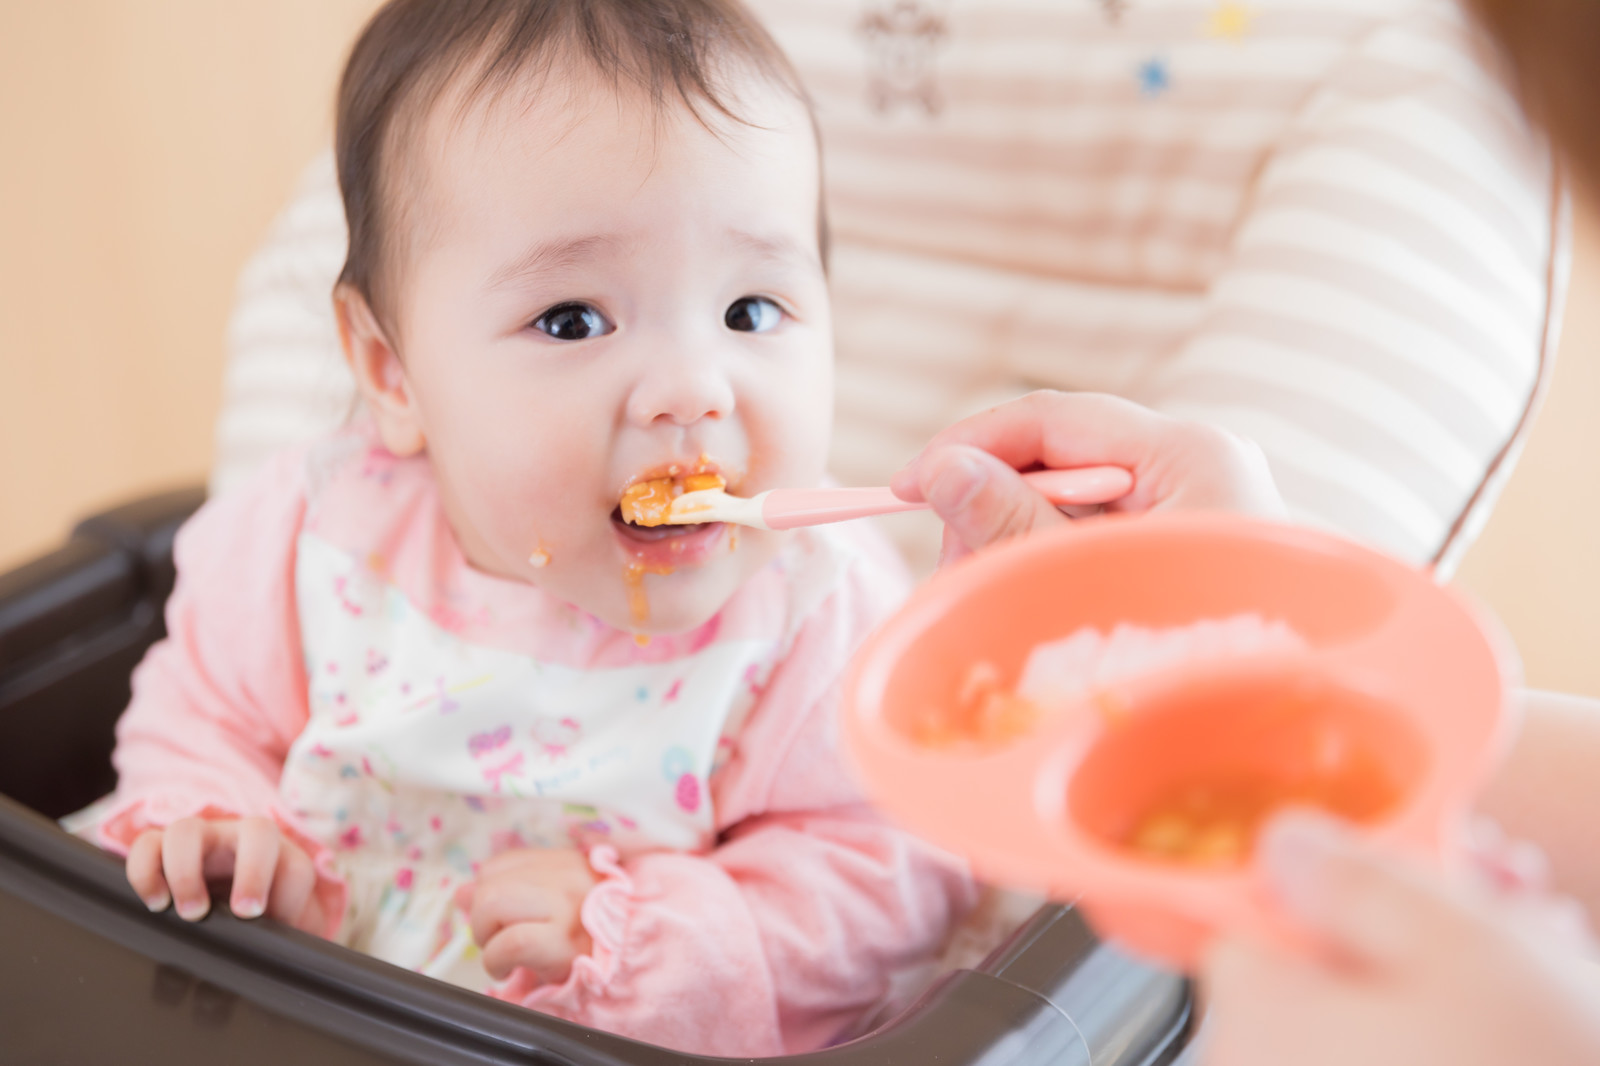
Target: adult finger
{"x":1505,"y":865}
{"x":1363,"y":905}
{"x":144,"y":870}
{"x":1052,"y":429}
{"x":1174,"y":462}
{"x":981,"y":499}
{"x":543,"y":948}
{"x":183,"y":848}
{"x":505,"y":901}
{"x":293,"y":881}
{"x":255,"y":864}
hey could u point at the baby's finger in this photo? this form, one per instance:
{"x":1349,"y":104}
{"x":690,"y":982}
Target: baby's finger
{"x":292,"y":884}
{"x":515,"y":861}
{"x":254,"y":865}
{"x":144,"y":870}
{"x":313,"y":919}
{"x":542,"y":948}
{"x":183,"y":848}
{"x":507,"y":901}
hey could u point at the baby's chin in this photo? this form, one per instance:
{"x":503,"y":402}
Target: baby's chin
{"x":656,"y":604}
{"x":666,"y":614}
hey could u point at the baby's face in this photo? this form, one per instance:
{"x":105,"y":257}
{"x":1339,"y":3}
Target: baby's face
{"x":596,"y":294}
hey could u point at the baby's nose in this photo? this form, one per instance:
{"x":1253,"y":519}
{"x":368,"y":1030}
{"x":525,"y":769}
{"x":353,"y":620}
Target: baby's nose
{"x":681,"y":392}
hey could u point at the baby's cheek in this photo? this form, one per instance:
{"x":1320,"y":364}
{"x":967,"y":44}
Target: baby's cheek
{"x":510,"y":516}
{"x":790,"y":449}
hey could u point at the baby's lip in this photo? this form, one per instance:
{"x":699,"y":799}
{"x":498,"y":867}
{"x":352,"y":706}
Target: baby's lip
{"x":675,"y":468}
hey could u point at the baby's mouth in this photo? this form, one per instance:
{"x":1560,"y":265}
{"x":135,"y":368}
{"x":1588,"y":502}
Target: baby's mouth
{"x":641,"y":514}
{"x":648,"y":534}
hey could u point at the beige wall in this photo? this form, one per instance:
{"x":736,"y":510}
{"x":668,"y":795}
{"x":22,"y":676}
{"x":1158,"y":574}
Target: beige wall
{"x":144,"y":146}
{"x":143,"y":149}
{"x":1538,"y":562}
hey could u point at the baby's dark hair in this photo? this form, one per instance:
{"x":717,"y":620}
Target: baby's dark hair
{"x":670,"y":51}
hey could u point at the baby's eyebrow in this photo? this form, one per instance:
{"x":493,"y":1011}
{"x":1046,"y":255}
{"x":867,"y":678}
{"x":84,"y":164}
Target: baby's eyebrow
{"x":553,"y":257}
{"x":780,"y":249}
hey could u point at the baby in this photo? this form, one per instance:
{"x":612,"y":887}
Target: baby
{"x":426,"y":692}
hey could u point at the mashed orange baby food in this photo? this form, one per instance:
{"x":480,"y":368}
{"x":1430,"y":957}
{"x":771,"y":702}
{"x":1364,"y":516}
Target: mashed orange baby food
{"x":1214,"y":820}
{"x":985,"y":713}
{"x":649,"y":503}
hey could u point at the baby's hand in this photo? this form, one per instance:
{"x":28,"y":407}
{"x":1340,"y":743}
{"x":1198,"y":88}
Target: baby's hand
{"x":525,"y":911}
{"x":271,"y":875}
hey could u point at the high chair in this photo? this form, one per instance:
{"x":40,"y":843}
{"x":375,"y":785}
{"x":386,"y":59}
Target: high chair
{"x":88,"y":976}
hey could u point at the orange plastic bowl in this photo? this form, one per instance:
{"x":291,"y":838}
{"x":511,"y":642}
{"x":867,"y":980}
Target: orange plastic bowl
{"x":1394,"y":667}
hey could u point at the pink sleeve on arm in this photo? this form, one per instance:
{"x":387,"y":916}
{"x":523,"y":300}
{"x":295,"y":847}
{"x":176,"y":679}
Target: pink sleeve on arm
{"x":217,"y":704}
{"x":789,"y":931}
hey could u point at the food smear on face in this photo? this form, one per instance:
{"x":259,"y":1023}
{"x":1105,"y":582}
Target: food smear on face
{"x":649,"y":503}
{"x":1214,"y":820}
{"x":633,"y":577}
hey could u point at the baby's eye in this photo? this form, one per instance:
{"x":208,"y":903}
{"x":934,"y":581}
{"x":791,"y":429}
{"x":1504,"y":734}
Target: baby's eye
{"x":573,"y":322}
{"x":753,"y":314}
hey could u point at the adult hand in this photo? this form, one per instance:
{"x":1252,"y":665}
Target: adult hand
{"x":968,"y":473}
{"x":271,"y":874}
{"x":525,"y":907}
{"x":1411,"y":968}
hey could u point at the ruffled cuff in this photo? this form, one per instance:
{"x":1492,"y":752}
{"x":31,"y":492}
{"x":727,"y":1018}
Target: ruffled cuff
{"x":117,"y":831}
{"x":606,"y":914}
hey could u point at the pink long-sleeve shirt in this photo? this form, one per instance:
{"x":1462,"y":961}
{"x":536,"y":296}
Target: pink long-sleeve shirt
{"x":307,"y":677}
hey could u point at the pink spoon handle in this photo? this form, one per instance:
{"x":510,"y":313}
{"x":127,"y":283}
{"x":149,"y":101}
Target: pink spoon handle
{"x":792,"y":508}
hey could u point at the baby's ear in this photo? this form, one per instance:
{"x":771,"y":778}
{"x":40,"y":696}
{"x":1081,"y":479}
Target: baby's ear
{"x":379,"y":374}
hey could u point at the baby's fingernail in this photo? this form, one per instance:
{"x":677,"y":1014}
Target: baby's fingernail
{"x":959,"y":479}
{"x":157,"y":902}
{"x":193,"y":912}
{"x":249,"y":908}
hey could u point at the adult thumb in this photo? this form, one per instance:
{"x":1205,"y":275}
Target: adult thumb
{"x":1358,"y":903}
{"x":981,"y":499}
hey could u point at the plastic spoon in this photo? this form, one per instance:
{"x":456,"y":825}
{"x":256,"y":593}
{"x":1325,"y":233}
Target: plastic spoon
{"x":793,"y":508}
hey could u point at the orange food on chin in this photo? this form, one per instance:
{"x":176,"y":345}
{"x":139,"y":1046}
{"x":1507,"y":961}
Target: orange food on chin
{"x":633,"y":579}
